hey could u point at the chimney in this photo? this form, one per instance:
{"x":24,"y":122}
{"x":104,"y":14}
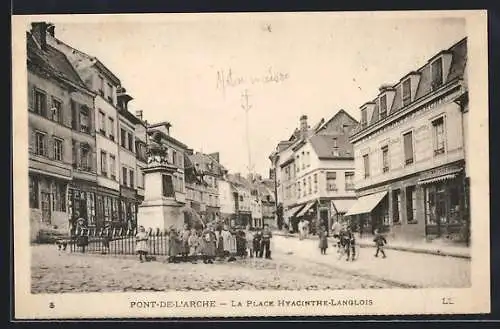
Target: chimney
{"x":303,"y":126}
{"x":138,"y":114}
{"x":39,"y":31}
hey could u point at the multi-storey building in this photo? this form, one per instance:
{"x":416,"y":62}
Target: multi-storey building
{"x":174,"y":184}
{"x":315,"y":172}
{"x":242,"y":198}
{"x":54,"y":89}
{"x":141,"y":144}
{"x":410,"y":151}
{"x":227,"y":200}
{"x":202,"y":186}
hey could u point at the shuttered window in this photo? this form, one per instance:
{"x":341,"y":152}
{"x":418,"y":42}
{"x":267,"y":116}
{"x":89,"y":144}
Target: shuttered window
{"x":437,"y":73}
{"x":408,"y":147}
{"x":331,"y":181}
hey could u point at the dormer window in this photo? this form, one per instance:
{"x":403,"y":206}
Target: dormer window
{"x":406,"y":92}
{"x":437,"y":73}
{"x":335,"y":142}
{"x":383,"y":106}
{"x":364,"y":118}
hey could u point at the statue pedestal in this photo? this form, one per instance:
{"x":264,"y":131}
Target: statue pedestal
{"x":160,"y":209}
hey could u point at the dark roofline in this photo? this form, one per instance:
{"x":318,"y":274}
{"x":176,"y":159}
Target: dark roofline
{"x":334,"y":116}
{"x":336,"y":158}
{"x":158,"y":124}
{"x":129,"y":116}
{"x":407,"y":75}
{"x":167,"y":137}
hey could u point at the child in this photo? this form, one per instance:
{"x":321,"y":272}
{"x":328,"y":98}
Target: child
{"x":257,"y":240}
{"x":142,"y":243}
{"x":380,"y":242}
{"x":249,"y":238}
{"x":323,"y":241}
{"x":193,"y":245}
{"x":185,"y":234}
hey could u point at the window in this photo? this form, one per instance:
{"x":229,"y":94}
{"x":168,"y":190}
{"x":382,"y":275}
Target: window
{"x":297,"y":165}
{"x":85,"y":157}
{"x":112,"y":166}
{"x":123,"y":138}
{"x":396,"y":206}
{"x":438,"y":135}
{"x":56,"y":111}
{"x":58,"y":149}
{"x":104,"y":163}
{"x":309,"y":185}
{"x":40,"y":103}
{"x":59,"y":197}
{"x":364,"y":118}
{"x":111,"y":129}
{"x":303,"y":160}
{"x":406,"y":92}
{"x":408,"y":147}
{"x":385,"y":158}
{"x":102,"y":122}
{"x":110,"y":93}
{"x":437,"y":73}
{"x":304,"y":186}
{"x":124,"y":176}
{"x":130,"y":142}
{"x":101,"y":86}
{"x":335,"y":145}
{"x":331,"y":181}
{"x":33,"y":190}
{"x":366,"y":163}
{"x":84,"y":120}
{"x":308,"y":159}
{"x":315,"y":183}
{"x":131,"y":174}
{"x":383,"y":106}
{"x":74,"y":115}
{"x":349,"y":180}
{"x":298,"y":189}
{"x":411,"y":205}
{"x":40,"y":144}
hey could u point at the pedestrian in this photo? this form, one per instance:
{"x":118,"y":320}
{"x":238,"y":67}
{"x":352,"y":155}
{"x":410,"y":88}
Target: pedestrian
{"x":257,"y":243}
{"x":81,"y":231}
{"x":185,"y":234}
{"x":193,"y":245}
{"x":219,"y":243}
{"x":350,"y":244}
{"x":174,"y":245}
{"x":380,"y":242}
{"x":209,"y":245}
{"x":241,"y":248}
{"x":232,"y":246}
{"x":323,"y":240}
{"x":266,"y":242}
{"x":226,"y":237}
{"x":249,"y":238}
{"x":106,"y":238}
{"x":306,"y":228}
{"x":141,"y":240}
{"x":301,"y":229}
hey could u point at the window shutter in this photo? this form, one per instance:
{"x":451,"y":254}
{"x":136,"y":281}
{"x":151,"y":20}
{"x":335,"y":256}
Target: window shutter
{"x":48,"y":112}
{"x":32,"y":144}
{"x":31,"y":97}
{"x":408,"y":146}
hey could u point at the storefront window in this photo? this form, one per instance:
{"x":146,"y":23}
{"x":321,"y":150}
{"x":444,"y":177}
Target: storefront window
{"x":114,"y":209}
{"x":123,"y":217}
{"x":396,"y":206}
{"x":100,"y":207}
{"x":411,"y":205}
{"x":91,"y":207}
{"x":33,"y":190}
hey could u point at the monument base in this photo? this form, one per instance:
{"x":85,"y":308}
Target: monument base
{"x":160,"y":214}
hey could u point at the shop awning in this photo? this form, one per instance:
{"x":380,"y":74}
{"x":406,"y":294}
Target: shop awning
{"x":308,"y":206}
{"x":440,"y":176}
{"x":292,"y":211}
{"x":366,"y":204}
{"x":342,"y":206}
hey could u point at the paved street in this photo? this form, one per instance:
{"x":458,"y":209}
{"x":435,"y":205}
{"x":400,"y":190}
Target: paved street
{"x":405,"y":268}
{"x":55,"y":272}
{"x":296,"y":265}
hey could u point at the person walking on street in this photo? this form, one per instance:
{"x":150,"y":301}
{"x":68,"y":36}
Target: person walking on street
{"x":249,"y":237}
{"x":380,"y":242}
{"x":266,"y":242}
{"x":141,"y":240}
{"x":350,"y":245}
{"x":209,"y":245}
{"x":323,"y":240}
{"x":301,"y":229}
{"x":257,"y":243}
{"x":336,"y":228}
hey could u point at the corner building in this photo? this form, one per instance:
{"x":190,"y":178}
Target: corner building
{"x":409,"y":152}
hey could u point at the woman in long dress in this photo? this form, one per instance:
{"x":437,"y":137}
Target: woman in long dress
{"x":323,"y":240}
{"x":209,"y":245}
{"x":174,"y":245}
{"x":142,"y":243}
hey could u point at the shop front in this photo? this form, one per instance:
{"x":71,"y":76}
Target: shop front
{"x":128,"y":208}
{"x":445,"y":203}
{"x":338,"y":209}
{"x":82,"y":203}
{"x":290,"y":218}
{"x":243,"y":219}
{"x":107,"y":207}
{"x":369,"y":212}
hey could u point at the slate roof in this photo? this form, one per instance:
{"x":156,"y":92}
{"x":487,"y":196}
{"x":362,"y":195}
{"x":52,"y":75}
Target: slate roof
{"x":324,"y":146}
{"x":457,"y":70}
{"x":204,"y":161}
{"x":52,"y":61}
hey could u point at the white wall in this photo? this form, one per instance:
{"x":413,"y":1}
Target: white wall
{"x":226,"y":199}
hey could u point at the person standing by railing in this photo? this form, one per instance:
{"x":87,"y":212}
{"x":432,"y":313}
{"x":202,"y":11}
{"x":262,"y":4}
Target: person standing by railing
{"x":141,"y":240}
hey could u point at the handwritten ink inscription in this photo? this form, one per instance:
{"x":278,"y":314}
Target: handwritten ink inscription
{"x":228,"y":78}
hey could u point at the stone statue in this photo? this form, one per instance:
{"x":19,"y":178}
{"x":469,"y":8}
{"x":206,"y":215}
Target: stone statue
{"x":157,"y":153}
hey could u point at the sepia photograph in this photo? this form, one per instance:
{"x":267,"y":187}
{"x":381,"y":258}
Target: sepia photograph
{"x":251,"y":164}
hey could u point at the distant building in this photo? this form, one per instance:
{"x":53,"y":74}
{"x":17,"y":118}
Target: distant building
{"x":315,"y":172}
{"x":410,"y":152}
{"x":242,"y":199}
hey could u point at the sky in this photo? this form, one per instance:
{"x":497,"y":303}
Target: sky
{"x":193,"y":70}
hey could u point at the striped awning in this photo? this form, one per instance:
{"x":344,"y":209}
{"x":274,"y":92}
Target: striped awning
{"x":342,"y":206}
{"x":292,"y":211}
{"x":441,"y":176}
{"x":366,"y":204}
{"x":308,"y":206}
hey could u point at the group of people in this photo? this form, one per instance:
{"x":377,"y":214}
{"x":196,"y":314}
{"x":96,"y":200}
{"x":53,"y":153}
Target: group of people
{"x":346,"y":241}
{"x":211,"y":243}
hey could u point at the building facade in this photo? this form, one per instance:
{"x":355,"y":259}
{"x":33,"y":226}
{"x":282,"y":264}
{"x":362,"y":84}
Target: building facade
{"x":409,"y":150}
{"x":315,"y":172}
{"x":53,"y":90}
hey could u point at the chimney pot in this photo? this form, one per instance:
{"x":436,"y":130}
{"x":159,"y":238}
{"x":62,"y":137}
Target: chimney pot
{"x":39,"y":30}
{"x":138,"y":114}
{"x":51,"y":29}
